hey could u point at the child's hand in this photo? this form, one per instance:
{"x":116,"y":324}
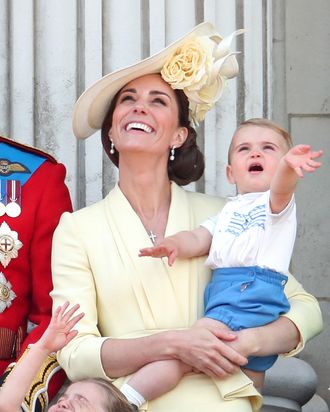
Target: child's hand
{"x":301,"y":158}
{"x":59,"y":332}
{"x":161,"y":250}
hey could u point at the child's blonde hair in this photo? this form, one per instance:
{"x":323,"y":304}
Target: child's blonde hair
{"x":115,"y":401}
{"x":266,"y":123}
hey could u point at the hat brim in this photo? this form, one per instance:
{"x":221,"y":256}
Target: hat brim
{"x":92,"y":106}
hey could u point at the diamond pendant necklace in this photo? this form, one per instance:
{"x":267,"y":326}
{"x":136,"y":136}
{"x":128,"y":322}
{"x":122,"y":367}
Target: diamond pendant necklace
{"x":157,"y":222}
{"x":152,"y":236}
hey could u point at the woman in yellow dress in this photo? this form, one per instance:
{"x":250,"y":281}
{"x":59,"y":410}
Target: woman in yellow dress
{"x":138,"y":310}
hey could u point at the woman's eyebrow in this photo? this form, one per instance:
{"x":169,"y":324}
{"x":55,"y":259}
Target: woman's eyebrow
{"x":155,"y":92}
{"x":152,"y":92}
{"x":128,"y":91}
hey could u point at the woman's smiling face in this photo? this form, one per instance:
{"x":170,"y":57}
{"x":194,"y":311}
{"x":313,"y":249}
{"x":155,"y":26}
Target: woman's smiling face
{"x":145,"y":118}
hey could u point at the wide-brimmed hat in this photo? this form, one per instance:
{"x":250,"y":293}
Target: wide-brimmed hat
{"x":199,"y":64}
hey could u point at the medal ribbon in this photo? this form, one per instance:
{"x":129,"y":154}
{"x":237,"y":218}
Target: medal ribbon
{"x":14,"y":191}
{"x":11,"y":203}
{"x":2,"y":192}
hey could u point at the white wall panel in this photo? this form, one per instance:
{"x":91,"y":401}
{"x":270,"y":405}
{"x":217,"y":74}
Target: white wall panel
{"x":122,"y":33}
{"x":180,"y":18}
{"x":21,"y":70}
{"x":90,"y":179}
{"x":253,"y":58}
{"x":55,"y":80}
{"x":157,"y":25}
{"x":4,"y":68}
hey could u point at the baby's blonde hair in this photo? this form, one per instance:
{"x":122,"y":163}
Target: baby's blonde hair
{"x":261,"y":122}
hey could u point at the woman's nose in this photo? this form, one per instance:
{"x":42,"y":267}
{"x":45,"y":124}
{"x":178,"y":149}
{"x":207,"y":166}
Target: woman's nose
{"x":140,"y":107}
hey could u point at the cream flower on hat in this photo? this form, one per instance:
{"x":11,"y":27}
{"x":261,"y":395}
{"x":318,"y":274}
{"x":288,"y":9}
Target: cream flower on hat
{"x":200,"y":67}
{"x":190,"y":65}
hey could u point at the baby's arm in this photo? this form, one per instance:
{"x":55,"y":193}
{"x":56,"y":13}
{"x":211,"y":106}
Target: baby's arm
{"x":55,"y":337}
{"x":185,"y":244}
{"x":298,"y":159}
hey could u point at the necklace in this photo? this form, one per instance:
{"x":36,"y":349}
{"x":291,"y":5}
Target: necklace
{"x":152,"y":236}
{"x":155,"y":223}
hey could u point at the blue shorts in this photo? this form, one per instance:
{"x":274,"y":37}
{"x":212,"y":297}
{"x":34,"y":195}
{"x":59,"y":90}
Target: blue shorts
{"x":246,"y":297}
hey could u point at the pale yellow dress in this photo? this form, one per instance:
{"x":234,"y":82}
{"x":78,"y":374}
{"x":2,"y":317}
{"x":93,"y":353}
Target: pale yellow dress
{"x":95,"y":263}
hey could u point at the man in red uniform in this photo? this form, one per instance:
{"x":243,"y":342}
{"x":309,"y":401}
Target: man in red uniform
{"x":33,"y":196}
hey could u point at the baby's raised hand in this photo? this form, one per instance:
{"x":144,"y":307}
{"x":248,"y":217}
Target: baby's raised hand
{"x":301,"y":158}
{"x":59,"y":331}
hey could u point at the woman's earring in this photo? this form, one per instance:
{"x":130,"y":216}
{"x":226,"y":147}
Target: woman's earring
{"x":112,"y":147}
{"x":172,"y":157}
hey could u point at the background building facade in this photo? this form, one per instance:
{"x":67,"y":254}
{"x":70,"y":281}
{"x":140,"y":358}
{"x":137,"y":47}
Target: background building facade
{"x":51,"y":50}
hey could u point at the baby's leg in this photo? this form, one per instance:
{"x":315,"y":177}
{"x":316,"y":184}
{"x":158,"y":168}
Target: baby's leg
{"x":157,"y":378}
{"x":257,"y":378}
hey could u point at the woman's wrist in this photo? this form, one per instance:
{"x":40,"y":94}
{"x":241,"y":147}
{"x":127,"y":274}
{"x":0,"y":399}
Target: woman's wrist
{"x":173,"y":344}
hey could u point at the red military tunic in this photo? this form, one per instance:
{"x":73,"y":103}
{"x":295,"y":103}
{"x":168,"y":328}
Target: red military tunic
{"x":25,"y":282}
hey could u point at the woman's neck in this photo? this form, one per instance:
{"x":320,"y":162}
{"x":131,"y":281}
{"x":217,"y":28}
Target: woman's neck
{"x":150,"y":196}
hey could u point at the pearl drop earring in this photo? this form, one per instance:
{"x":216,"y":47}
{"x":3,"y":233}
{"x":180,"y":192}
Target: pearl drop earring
{"x":172,"y":157}
{"x":112,"y":147}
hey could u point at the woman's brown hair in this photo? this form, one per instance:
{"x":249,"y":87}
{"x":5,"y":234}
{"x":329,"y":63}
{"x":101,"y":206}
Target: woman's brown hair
{"x":188,"y":165}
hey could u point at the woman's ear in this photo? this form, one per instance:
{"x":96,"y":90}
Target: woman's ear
{"x":180,"y":137}
{"x":110,"y":133}
{"x":230,"y":176}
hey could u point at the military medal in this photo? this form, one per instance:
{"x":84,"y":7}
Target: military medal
{"x":7,"y":295}
{"x":13,"y":208}
{"x":9,"y":244}
{"x":2,"y":198}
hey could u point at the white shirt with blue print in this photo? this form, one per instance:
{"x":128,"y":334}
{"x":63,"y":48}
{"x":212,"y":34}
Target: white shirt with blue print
{"x":246,"y":233}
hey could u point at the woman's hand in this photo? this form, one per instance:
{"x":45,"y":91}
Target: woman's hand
{"x":208,"y":350}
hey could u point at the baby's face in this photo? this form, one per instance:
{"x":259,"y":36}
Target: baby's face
{"x":81,"y":397}
{"x":255,"y":154}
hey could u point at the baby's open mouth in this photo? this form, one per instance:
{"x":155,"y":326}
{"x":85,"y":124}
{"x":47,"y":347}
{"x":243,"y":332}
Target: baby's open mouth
{"x":255,"y":167}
